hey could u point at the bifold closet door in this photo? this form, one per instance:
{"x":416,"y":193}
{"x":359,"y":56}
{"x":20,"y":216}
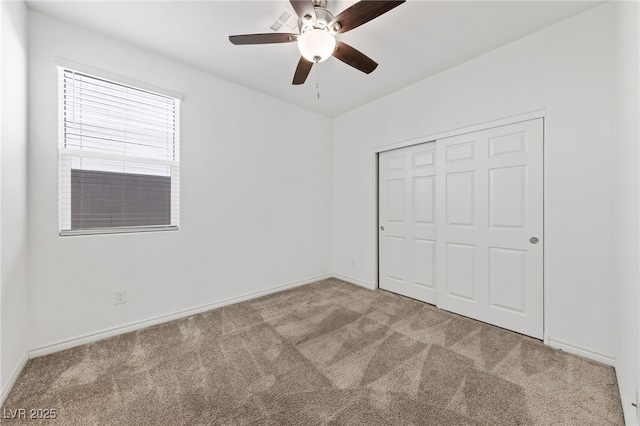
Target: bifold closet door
{"x":407,"y":221}
{"x":489,"y":239}
{"x":461,"y":224}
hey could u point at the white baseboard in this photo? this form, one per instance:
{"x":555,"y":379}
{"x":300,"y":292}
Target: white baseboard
{"x":364,"y":284}
{"x":627,"y":397}
{"x":137,"y":325}
{"x":12,"y":380}
{"x":548,"y":340}
{"x":576,"y":350}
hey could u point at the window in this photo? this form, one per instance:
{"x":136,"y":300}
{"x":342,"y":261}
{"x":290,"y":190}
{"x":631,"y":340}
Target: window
{"x":119,"y":157}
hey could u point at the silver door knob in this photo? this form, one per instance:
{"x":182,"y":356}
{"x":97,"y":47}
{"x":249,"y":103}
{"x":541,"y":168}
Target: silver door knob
{"x":382,"y":228}
{"x":534,"y":240}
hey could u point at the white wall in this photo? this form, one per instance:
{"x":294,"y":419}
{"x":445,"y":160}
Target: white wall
{"x":627,"y":191}
{"x":255,"y":200}
{"x":565,"y":69}
{"x":13,"y":192}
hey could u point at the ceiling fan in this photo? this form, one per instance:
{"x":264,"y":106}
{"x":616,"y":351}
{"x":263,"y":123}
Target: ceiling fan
{"x":318,"y":28}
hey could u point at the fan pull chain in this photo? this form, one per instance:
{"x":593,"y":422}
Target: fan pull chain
{"x":317,"y":82}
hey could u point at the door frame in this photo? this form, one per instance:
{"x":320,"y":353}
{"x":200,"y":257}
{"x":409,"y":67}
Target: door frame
{"x":461,"y":131}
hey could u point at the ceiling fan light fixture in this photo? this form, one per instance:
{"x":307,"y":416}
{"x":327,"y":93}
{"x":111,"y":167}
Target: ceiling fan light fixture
{"x":316,"y":45}
{"x":317,"y":28}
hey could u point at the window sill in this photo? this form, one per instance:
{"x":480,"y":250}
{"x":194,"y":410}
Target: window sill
{"x":123,"y":230}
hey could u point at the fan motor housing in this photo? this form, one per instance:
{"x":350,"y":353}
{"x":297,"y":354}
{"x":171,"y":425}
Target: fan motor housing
{"x":323,"y":17}
{"x":320,"y":3}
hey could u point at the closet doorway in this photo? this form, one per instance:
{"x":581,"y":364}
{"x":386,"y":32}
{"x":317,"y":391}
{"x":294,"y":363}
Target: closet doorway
{"x":461,"y":224}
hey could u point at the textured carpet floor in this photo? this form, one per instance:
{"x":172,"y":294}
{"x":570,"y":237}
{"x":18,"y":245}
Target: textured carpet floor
{"x":324,"y":353}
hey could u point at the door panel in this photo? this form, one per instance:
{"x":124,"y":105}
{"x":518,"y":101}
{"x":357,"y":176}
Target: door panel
{"x":460,"y":195}
{"x":497,"y":217}
{"x":460,"y":260}
{"x":460,"y":150}
{"x":507,"y":279}
{"x":508,"y":197}
{"x":407,"y":243}
{"x":395,"y":200}
{"x":507,"y":144}
{"x":424,"y":253}
{"x":423,"y":193}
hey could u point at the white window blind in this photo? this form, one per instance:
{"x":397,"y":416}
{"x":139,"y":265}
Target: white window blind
{"x":119,"y":157}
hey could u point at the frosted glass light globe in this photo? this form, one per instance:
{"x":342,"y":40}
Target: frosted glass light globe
{"x":316,"y":45}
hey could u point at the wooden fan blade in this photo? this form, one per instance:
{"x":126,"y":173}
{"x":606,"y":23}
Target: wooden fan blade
{"x":302,"y":71}
{"x":304,"y":8}
{"x":263,"y":38}
{"x":361,"y":13}
{"x":355,"y":58}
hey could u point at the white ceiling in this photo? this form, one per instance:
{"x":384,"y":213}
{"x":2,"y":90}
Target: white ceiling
{"x":411,"y":42}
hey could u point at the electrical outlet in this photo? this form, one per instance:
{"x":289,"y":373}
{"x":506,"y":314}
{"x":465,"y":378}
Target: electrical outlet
{"x":353,"y":261}
{"x":119,"y":297}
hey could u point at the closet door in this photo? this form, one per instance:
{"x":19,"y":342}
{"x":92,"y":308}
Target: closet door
{"x":461,"y":224}
{"x":407,"y":214}
{"x":489,"y":236}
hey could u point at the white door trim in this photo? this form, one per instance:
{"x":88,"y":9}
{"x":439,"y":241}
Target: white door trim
{"x":462,"y":130}
{"x":541,"y":113}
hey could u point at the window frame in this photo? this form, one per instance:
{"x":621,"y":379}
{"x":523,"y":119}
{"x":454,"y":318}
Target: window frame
{"x":64,"y":154}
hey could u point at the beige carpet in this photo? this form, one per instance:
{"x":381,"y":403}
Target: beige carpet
{"x":325,"y":353}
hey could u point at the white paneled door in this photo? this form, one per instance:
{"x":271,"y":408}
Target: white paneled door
{"x":483,"y":254}
{"x":407,"y":221}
